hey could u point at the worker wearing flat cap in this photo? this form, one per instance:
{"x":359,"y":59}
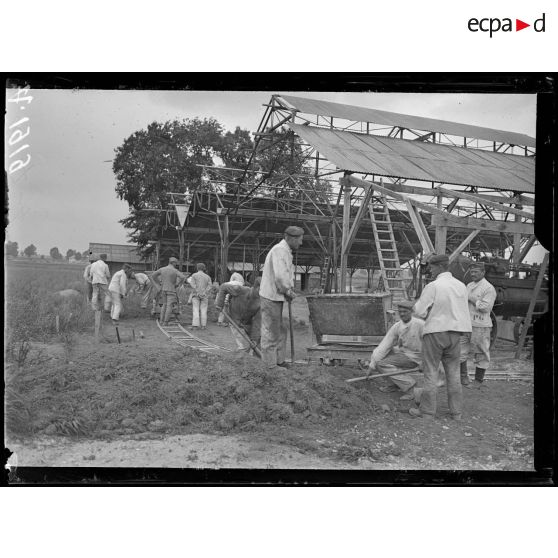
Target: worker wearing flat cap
{"x":277,"y":286}
{"x":168,"y":278}
{"x":443,"y":305}
{"x":481,"y":296}
{"x":400,"y":349}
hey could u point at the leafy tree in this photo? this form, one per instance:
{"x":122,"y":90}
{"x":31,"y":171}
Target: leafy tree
{"x":12,"y":249}
{"x":78,"y":256}
{"x":236,"y":148}
{"x":158,"y":160}
{"x":70,"y":253}
{"x":55,"y":254}
{"x":31,"y":250}
{"x":166,"y":157}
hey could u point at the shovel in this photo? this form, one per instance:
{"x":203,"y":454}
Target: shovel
{"x":253,"y":345}
{"x":291,"y":332}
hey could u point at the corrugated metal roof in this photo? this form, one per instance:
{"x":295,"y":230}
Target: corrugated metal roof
{"x":362,"y":114}
{"x":421,"y":161}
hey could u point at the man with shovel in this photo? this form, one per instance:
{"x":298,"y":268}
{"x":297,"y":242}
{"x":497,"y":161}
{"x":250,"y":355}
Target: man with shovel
{"x":277,"y":286}
{"x":243,"y":313}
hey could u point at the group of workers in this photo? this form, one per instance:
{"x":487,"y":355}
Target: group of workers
{"x":448,"y":323}
{"x":441,"y":329}
{"x":104,"y":291}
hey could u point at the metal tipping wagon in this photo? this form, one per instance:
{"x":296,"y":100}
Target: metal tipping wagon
{"x":348,"y":326}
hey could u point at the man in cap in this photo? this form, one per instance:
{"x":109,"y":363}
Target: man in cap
{"x":88,"y":278}
{"x":100,"y":277}
{"x":443,"y":304}
{"x":277,"y":286}
{"x":168,"y":277}
{"x":401,"y":348}
{"x":481,"y":295}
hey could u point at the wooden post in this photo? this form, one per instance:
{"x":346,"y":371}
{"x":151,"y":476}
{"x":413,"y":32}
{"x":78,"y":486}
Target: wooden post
{"x":225,"y":250}
{"x":441,"y":231}
{"x":440,"y":241}
{"x":345,"y":230}
{"x":98,"y":318}
{"x":180,"y":250}
{"x":517,"y":246}
{"x":57,"y":320}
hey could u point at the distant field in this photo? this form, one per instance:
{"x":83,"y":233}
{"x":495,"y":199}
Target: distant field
{"x":50,"y":277}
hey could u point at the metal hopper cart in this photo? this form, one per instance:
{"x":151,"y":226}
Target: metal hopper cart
{"x":348,"y":326}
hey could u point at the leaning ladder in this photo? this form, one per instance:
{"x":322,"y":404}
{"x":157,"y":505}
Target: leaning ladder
{"x":525,"y":336}
{"x":386,"y":247}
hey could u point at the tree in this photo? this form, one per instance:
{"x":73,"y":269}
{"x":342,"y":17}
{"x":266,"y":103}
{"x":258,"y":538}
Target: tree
{"x":31,"y":250}
{"x":12,"y":249}
{"x":163,"y":159}
{"x":78,"y":256}
{"x":55,"y":254}
{"x":70,"y":253}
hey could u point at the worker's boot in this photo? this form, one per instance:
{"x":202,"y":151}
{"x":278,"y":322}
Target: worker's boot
{"x":479,"y":377}
{"x":464,"y":374}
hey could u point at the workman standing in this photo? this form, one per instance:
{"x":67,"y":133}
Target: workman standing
{"x":242,"y":305}
{"x":443,"y":304}
{"x":88,"y":278}
{"x":168,"y":277}
{"x":277,"y":286}
{"x":118,"y":289}
{"x":202,"y":285}
{"x":401,"y":348}
{"x":481,"y":295}
{"x":100,"y":276}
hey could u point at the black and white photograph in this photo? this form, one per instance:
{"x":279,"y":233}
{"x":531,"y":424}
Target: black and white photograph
{"x":271,"y":280}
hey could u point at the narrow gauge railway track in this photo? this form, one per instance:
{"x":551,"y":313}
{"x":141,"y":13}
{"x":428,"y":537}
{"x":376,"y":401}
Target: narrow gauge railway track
{"x":175,"y":332}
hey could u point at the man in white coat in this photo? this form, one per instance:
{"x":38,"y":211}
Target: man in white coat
{"x":277,"y":286}
{"x":401,"y":348}
{"x":118,"y":289}
{"x":443,"y":305}
{"x":481,"y":296}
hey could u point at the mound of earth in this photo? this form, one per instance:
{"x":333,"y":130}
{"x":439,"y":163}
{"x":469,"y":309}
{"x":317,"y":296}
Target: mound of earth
{"x":129,"y":388}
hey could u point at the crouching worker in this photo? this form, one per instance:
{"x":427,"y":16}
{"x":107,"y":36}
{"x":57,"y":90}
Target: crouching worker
{"x":400,"y":349}
{"x":244,"y":308}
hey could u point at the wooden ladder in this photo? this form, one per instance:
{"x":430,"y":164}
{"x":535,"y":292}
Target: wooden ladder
{"x":386,"y":247}
{"x":324,"y":274}
{"x":524,"y":337}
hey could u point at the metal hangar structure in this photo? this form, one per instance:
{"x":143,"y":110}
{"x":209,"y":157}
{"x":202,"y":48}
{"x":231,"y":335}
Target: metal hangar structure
{"x":372,"y":189}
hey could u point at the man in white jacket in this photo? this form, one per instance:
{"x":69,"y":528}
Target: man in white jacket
{"x":100,"y":277}
{"x":118,"y":289}
{"x":443,"y":305}
{"x":277,"y":286}
{"x":481,"y":295}
{"x":401,"y":348}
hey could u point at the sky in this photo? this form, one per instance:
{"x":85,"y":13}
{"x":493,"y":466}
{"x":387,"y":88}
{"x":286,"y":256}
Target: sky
{"x":66,"y":196}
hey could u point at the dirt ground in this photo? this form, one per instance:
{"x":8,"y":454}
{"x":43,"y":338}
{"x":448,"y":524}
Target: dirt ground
{"x":151,"y":403}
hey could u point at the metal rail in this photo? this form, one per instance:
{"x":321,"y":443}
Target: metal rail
{"x":175,"y":332}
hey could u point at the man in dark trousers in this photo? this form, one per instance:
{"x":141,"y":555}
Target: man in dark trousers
{"x":169,"y":278}
{"x":244,"y":309}
{"x":443,"y":305}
